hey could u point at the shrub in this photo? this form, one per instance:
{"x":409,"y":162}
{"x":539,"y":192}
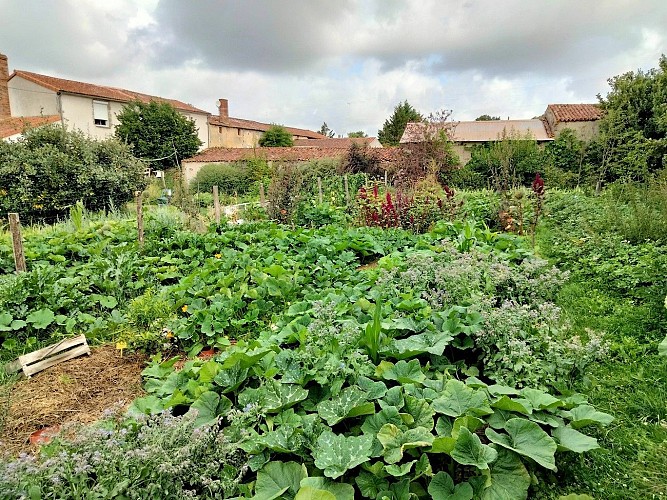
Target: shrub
{"x":229,"y":177}
{"x":285,"y":192}
{"x":276,"y":136}
{"x":50,"y":169}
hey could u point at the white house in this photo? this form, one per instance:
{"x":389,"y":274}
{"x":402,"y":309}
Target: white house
{"x":81,"y":106}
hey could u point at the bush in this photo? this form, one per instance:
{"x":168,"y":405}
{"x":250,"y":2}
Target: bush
{"x":276,"y":136}
{"x":50,"y":169}
{"x":229,"y":177}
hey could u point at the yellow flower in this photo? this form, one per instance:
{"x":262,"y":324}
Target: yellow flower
{"x":218,"y":255}
{"x":121,"y":345}
{"x":184,"y":308}
{"x":170,"y":335}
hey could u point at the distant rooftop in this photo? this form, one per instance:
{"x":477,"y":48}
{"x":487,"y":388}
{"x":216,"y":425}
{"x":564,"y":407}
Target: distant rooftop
{"x":16,"y":125}
{"x":100,"y":91}
{"x":575,"y":112}
{"x":340,"y":142}
{"x":480,"y":131}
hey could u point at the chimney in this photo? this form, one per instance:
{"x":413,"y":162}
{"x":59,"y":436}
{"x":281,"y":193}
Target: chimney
{"x":223,"y":109}
{"x":4,"y":91}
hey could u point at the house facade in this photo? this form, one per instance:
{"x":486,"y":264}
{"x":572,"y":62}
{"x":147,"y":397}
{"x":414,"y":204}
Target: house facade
{"x":228,"y":132}
{"x":88,"y":107}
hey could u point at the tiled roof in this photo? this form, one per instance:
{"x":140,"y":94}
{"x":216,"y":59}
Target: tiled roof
{"x":481,"y":131}
{"x":575,"y":112}
{"x":259,"y":126}
{"x":212,"y":155}
{"x":98,"y":91}
{"x":16,"y":125}
{"x":341,"y":142}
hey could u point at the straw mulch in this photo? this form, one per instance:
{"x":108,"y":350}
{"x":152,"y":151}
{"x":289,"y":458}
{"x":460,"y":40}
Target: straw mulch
{"x":78,"y":390}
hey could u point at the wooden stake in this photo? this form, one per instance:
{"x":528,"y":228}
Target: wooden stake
{"x":261,"y":193}
{"x":385,"y":178}
{"x":216,"y":204}
{"x":17,"y":240}
{"x":319,"y":187}
{"x":140,"y":218}
{"x":347,"y":191}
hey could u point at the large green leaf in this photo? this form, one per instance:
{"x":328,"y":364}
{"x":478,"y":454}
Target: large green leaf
{"x":541,"y":400}
{"x":278,"y":478}
{"x":399,"y":470}
{"x":337,"y":408}
{"x":370,"y":485}
{"x":442,"y":487}
{"x":527,"y":439}
{"x":404,"y":372}
{"x":373,"y":390}
{"x":459,"y":399}
{"x":231,"y":378}
{"x":273,"y":396}
{"x":41,"y":318}
{"x":509,"y":479}
{"x":395,"y":441}
{"x":320,"y":488}
{"x":662,"y":347}
{"x":420,"y":411}
{"x":433,"y":343}
{"x":389,"y":415}
{"x":517,"y":405}
{"x":469,"y":450}
{"x":335,"y":453}
{"x":571,"y":440}
{"x":584,"y":415}
{"x":209,"y":406}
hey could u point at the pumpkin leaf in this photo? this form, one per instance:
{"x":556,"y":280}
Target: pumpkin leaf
{"x":335,"y":454}
{"x":528,"y":439}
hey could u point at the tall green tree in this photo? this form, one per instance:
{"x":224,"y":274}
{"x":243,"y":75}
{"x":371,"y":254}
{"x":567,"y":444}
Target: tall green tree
{"x":394,"y":126}
{"x":157,"y":132}
{"x":276,"y":136}
{"x":358,"y":134}
{"x":633,"y":132}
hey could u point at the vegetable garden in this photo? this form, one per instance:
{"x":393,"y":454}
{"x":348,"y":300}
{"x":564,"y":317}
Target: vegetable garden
{"x":354,"y":361}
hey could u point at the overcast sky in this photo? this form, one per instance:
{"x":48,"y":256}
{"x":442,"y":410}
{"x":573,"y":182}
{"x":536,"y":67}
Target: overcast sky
{"x":346,"y":62}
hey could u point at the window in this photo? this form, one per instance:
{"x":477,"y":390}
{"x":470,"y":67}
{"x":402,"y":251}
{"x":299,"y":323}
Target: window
{"x":101,"y":113}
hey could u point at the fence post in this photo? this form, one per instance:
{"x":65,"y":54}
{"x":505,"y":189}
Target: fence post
{"x":261,"y":193}
{"x":216,"y":204}
{"x":140,"y":218}
{"x":347,"y":190}
{"x":319,"y":188}
{"x":17,"y":240}
{"x":385,"y":178}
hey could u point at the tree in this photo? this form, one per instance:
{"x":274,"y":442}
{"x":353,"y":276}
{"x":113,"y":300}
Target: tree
{"x":359,"y":134}
{"x":276,"y":136}
{"x":486,"y":118}
{"x":325,"y":130}
{"x":157,"y":132}
{"x":632,"y":143}
{"x":394,"y":126}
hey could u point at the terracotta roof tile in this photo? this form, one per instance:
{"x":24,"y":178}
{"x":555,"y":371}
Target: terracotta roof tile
{"x":340,"y":142}
{"x":225,"y":155}
{"x":575,"y":112}
{"x":99,"y":91}
{"x":16,"y":125}
{"x":259,"y":126}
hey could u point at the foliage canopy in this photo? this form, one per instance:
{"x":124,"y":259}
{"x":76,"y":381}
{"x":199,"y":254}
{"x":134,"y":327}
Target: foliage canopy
{"x":157,"y":132}
{"x":394,"y":126}
{"x":276,"y":136}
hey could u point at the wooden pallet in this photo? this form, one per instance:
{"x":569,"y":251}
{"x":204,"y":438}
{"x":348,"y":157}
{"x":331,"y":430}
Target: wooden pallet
{"x":42,"y":359}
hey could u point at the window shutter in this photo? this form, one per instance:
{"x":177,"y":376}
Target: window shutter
{"x":100,"y":110}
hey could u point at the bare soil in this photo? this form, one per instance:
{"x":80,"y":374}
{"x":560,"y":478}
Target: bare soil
{"x":78,"y":390}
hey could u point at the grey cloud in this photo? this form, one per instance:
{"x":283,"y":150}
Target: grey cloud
{"x":266,"y":36}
